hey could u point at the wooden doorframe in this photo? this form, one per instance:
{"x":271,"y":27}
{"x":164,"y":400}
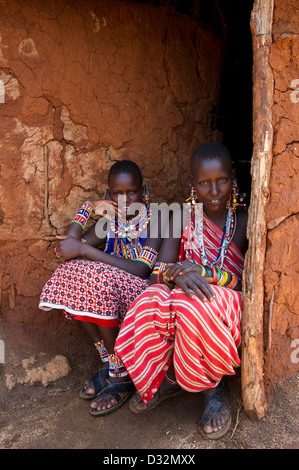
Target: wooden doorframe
{"x":252,"y":370}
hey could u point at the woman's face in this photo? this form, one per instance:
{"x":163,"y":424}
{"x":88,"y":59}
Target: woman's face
{"x":125,"y":189}
{"x":212,"y":180}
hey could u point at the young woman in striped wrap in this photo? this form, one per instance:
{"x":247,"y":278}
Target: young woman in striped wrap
{"x":183,"y":332}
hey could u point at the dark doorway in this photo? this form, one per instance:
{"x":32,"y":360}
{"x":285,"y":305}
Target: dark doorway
{"x":230,"y":20}
{"x":235,"y":106}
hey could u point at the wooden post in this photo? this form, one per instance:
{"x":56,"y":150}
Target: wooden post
{"x":252,"y":371}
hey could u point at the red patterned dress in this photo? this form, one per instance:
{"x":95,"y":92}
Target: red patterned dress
{"x":200,"y":338}
{"x":93,"y":291}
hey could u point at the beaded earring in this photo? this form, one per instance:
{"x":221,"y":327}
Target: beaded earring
{"x":232,"y":203}
{"x":107,"y":194}
{"x":145,"y":195}
{"x":193,"y":196}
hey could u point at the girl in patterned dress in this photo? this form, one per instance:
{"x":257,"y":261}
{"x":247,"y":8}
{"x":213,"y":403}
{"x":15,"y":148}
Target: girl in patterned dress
{"x":97,"y":286}
{"x":184,"y":332}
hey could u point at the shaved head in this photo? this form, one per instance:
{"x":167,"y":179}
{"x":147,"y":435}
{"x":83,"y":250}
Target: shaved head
{"x":210,"y":151}
{"x":125,"y":166}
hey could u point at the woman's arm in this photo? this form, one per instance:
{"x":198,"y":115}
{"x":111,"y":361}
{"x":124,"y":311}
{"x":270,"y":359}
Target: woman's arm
{"x":215,"y":276}
{"x":69,"y":248}
{"x":102,"y":208}
{"x":170,"y":246}
{"x":192,"y":283}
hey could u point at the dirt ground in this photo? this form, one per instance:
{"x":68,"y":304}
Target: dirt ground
{"x":52,"y":416}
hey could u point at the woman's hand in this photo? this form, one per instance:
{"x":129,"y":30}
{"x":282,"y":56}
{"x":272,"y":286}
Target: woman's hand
{"x":68,"y":247}
{"x":180,"y":268}
{"x":105,"y":208}
{"x":187,"y":276}
{"x":194,"y":285}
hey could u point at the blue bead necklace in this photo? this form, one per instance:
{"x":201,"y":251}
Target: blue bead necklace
{"x":228,"y":233}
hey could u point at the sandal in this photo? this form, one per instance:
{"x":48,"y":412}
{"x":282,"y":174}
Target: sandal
{"x":97,"y":383}
{"x":164,"y":391}
{"x":114,"y":390}
{"x":215,"y":404}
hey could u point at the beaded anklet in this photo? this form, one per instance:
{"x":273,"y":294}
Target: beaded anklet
{"x":102,"y":351}
{"x":116,"y":367}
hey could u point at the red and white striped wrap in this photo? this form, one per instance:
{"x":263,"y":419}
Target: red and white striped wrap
{"x":201,"y":338}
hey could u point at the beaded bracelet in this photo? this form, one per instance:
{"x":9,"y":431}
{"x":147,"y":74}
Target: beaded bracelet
{"x":219,"y":278}
{"x":161,"y":279}
{"x":233,"y":283}
{"x":159,"y":267}
{"x":83,"y":214}
{"x":209,"y":271}
{"x":148,"y":256}
{"x":166,"y":281}
{"x":222,"y":278}
{"x":203,"y":271}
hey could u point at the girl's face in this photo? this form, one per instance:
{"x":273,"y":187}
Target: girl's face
{"x":125,"y":189}
{"x":212,"y":180}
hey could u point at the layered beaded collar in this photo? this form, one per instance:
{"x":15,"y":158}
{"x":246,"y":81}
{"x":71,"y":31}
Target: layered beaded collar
{"x":131,"y":229}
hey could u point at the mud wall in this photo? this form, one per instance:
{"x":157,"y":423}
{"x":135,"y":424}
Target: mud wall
{"x":83,"y":84}
{"x":282,"y":258}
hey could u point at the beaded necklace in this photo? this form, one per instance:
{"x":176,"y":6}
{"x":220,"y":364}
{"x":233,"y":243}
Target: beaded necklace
{"x":133,"y":227}
{"x":228,"y":233}
{"x":126,"y":243}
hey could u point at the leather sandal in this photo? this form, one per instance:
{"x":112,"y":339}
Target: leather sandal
{"x":97,"y":383}
{"x":215,"y":404}
{"x":164,"y":391}
{"x":114,"y":390}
